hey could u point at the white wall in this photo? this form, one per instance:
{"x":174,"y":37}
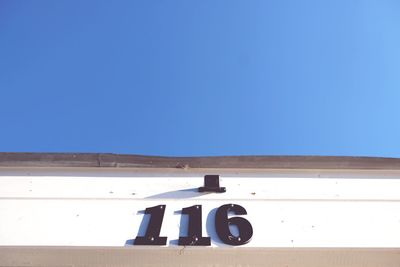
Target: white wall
{"x":102,"y":207}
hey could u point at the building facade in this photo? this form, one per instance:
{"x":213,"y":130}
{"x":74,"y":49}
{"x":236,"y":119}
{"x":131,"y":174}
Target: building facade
{"x":128,"y":210}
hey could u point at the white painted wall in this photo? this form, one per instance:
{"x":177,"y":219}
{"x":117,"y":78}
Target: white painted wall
{"x":102,"y":207}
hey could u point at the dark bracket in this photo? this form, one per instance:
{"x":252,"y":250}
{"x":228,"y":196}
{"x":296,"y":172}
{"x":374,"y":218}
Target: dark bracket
{"x":211,"y":184}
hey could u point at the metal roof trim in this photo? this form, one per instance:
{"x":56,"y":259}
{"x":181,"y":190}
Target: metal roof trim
{"x":105,"y":160}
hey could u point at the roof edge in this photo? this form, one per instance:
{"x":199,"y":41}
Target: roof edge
{"x":108,"y":160}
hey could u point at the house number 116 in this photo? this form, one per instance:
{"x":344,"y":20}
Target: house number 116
{"x":195,"y":236}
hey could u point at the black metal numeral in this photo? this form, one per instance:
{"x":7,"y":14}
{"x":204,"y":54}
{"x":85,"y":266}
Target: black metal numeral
{"x":194,"y":237}
{"x":222,"y":223}
{"x":152,"y":235}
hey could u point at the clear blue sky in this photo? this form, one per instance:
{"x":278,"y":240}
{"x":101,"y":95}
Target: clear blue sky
{"x":201,"y":77}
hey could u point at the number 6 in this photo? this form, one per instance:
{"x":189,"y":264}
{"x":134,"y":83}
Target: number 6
{"x":222,"y":223}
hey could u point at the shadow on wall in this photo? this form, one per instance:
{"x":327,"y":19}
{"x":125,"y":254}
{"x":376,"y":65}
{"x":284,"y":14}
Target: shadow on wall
{"x":183,"y":225}
{"x":178,"y":194}
{"x":142,"y":227}
{"x":210,"y":228}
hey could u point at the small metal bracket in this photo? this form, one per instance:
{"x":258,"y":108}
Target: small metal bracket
{"x":211,"y":184}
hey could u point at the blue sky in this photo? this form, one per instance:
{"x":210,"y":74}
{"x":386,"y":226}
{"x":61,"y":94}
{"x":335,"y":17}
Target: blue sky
{"x":185,"y":78}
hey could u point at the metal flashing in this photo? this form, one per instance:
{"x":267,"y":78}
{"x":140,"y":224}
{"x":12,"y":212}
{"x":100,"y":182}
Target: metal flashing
{"x":104,"y":160}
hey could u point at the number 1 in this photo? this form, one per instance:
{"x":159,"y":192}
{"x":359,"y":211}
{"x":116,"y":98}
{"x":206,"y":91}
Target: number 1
{"x":152,"y":235}
{"x":194,"y":237}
